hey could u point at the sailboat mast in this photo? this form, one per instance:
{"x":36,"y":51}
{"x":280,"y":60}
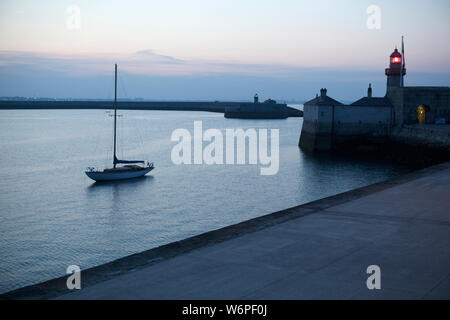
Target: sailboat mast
{"x":403,"y":63}
{"x":115,"y":113}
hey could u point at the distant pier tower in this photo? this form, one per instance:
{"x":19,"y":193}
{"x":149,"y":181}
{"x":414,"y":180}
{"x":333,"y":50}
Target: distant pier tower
{"x":396,"y":70}
{"x":256,"y":98}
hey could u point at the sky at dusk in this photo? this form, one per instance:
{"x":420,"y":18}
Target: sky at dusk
{"x":217,"y":50}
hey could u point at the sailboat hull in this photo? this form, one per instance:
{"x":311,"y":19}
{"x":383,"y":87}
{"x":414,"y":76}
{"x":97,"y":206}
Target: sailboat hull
{"x":119,"y":175}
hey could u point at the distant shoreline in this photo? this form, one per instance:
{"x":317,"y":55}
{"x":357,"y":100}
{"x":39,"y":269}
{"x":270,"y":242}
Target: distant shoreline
{"x":45,"y":99}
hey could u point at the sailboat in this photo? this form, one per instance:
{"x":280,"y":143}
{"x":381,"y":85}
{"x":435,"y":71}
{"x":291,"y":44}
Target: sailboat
{"x":130,"y":168}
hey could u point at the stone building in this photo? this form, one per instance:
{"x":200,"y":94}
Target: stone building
{"x":406,"y":114}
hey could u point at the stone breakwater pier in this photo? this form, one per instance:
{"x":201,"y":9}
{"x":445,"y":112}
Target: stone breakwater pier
{"x":246,"y":110}
{"x":319,"y":250}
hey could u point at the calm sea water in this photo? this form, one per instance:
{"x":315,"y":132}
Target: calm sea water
{"x":52,"y":215}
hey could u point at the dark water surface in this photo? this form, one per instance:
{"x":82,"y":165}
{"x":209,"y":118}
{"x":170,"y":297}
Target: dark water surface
{"x":52,"y":215}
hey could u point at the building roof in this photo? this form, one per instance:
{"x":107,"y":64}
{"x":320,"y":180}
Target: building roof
{"x":372,"y":102}
{"x":323,"y":101}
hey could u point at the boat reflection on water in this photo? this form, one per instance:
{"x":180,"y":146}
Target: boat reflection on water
{"x":126,"y":182}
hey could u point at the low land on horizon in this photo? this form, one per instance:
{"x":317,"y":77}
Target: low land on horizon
{"x":139,"y":100}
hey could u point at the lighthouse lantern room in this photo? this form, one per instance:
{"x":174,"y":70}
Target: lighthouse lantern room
{"x":396,"y":70}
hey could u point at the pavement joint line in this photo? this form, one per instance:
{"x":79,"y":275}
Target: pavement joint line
{"x":438,"y":283}
{"x":365,"y":216}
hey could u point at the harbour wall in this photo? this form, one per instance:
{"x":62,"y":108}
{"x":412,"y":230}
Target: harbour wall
{"x":130,"y":105}
{"x":327,"y":127}
{"x":428,"y":136}
{"x":406,"y":100}
{"x":257,"y":111}
{"x":245,"y":109}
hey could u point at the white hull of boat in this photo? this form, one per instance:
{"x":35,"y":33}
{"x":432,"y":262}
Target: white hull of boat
{"x":121,"y":175}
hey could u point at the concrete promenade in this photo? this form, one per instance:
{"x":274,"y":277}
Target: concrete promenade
{"x":319,"y":250}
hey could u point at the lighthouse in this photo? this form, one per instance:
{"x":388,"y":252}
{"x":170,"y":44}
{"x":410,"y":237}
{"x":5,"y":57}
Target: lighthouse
{"x":396,"y":70}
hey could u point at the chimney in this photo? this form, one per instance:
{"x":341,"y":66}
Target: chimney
{"x":369,"y":91}
{"x":323,"y":92}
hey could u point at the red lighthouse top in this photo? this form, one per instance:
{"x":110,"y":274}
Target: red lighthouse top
{"x":395,"y":66}
{"x":396,"y":57}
